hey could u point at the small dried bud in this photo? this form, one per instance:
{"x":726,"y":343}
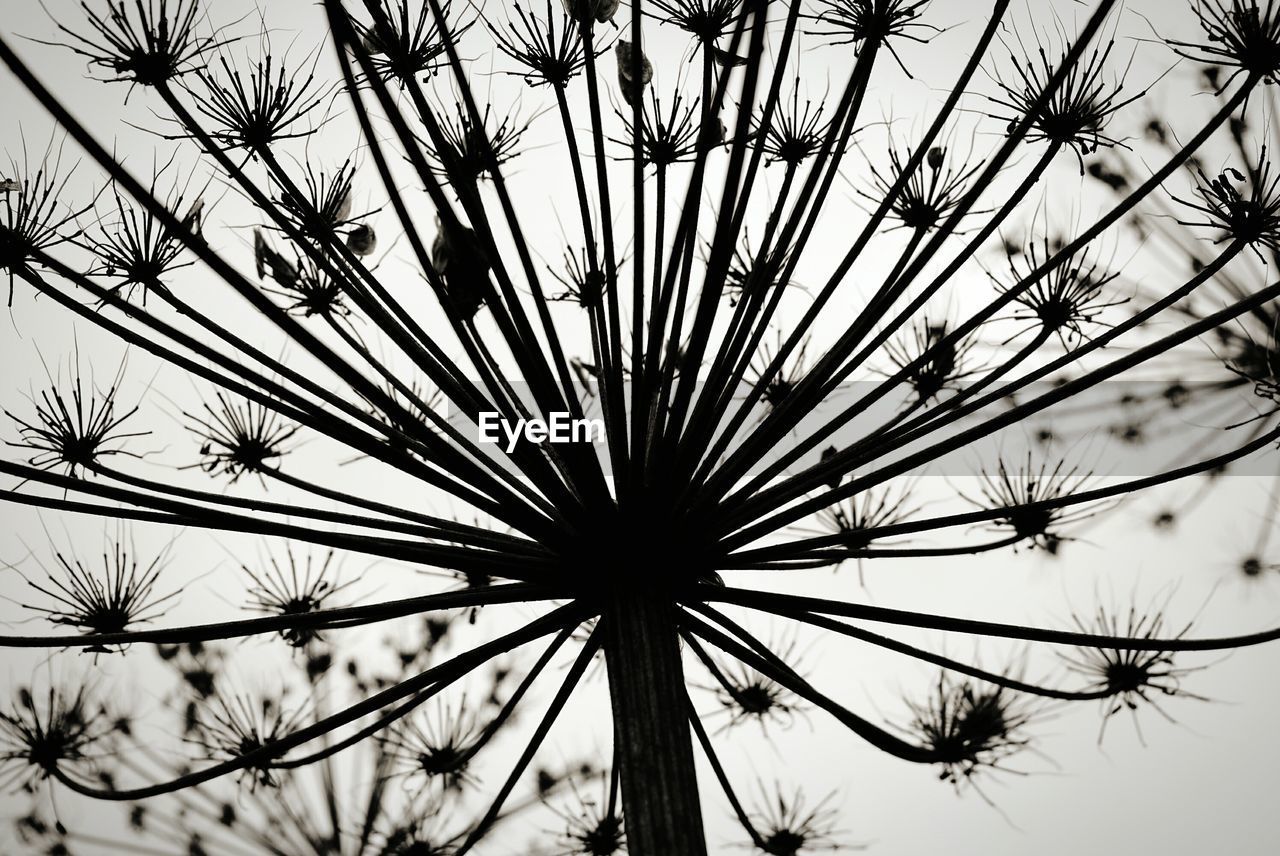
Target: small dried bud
{"x":626,"y":60}
{"x":936,"y":154}
{"x":827,"y":454}
{"x":362,"y":240}
{"x":267,"y":260}
{"x":460,"y":260}
{"x":583,"y":10}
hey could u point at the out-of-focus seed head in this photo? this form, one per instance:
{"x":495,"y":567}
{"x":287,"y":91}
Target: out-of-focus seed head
{"x":969,"y":727}
{"x":232,"y":725}
{"x":437,"y":746}
{"x":41,"y":733}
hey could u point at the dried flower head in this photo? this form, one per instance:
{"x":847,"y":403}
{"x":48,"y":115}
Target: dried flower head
{"x":850,"y":520}
{"x":254,"y":108}
{"x":862,"y":22}
{"x":931,"y":192}
{"x":1251,"y":217}
{"x":549,"y":57}
{"x":705,"y":20}
{"x":795,"y":132}
{"x":309,"y":290}
{"x":36,"y":216}
{"x":943,"y":359}
{"x":326,"y":206}
{"x":469,"y":152}
{"x":287,"y":589}
{"x":401,"y":46}
{"x":74,"y":429}
{"x":1011,"y":489}
{"x":134,"y":250}
{"x":145,"y":42}
{"x":1076,"y":112}
{"x":752,"y":275}
{"x":747,"y":695}
{"x":1067,"y":298}
{"x":787,"y":827}
{"x":1243,"y":35}
{"x":781,"y":383}
{"x":239,"y":438}
{"x":969,"y":726}
{"x":581,"y":282}
{"x":1130,"y":679}
{"x":119,"y":597}
{"x":666,"y":137}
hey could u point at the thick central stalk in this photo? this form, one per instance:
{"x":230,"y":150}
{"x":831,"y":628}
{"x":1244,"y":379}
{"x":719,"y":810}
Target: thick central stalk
{"x":651,"y":727}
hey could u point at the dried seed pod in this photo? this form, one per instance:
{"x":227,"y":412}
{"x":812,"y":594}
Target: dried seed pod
{"x":585,"y":10}
{"x":463,"y":265}
{"x":631,"y":88}
{"x":362,"y":240}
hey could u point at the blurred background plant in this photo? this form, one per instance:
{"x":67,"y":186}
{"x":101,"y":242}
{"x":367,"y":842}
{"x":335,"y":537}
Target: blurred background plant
{"x":295,"y":255}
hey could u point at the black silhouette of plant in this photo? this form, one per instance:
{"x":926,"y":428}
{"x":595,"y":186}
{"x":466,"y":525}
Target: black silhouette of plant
{"x":76,"y":426}
{"x":768,"y":361}
{"x":786,"y":827}
{"x":970,"y":727}
{"x":144,"y":42}
{"x":239,"y":438}
{"x":112,"y":600}
{"x":45,"y":733}
{"x":1129,"y":679}
{"x":278,"y":590}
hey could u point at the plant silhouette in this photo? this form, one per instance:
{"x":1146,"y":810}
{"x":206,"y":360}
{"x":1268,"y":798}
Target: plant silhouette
{"x":682,"y":220}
